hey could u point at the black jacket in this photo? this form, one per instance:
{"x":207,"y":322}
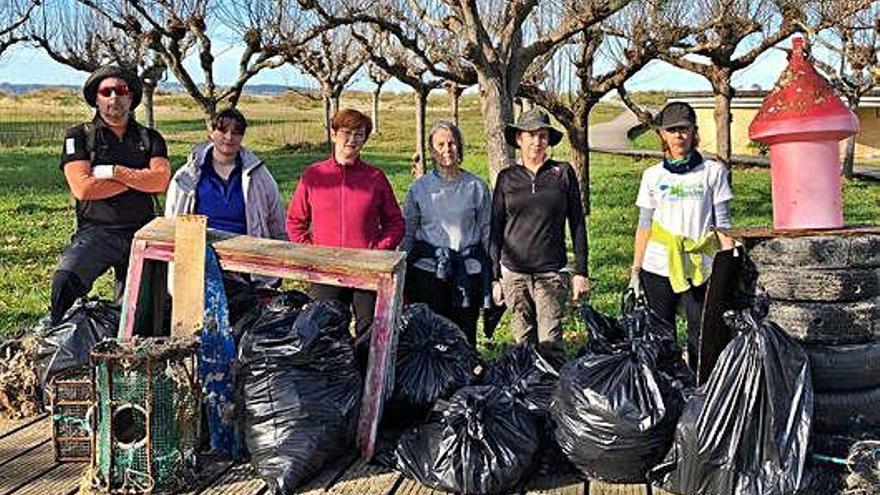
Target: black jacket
{"x":528,"y":220}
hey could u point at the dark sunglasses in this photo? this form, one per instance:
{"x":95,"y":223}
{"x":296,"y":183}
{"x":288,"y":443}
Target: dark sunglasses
{"x":120,"y":90}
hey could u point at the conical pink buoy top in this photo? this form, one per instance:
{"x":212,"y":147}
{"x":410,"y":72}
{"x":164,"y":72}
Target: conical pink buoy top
{"x":803,"y":120}
{"x":802,"y":105}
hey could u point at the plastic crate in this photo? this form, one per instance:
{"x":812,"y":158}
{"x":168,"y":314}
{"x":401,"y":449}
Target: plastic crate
{"x":71,"y":400}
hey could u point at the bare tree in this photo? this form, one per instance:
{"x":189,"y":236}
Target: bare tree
{"x":379,"y":78}
{"x":75,"y":36}
{"x":853,"y":43}
{"x":332,"y":59}
{"x":490,"y":38}
{"x":395,"y":60}
{"x":13,"y":16}
{"x":600,"y":58}
{"x":179,"y":29}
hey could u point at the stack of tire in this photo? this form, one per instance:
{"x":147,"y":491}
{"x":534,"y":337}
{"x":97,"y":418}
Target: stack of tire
{"x":824,"y":291}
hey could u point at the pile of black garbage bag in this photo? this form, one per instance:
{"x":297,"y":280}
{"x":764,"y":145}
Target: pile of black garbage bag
{"x":301,"y":391}
{"x":66,"y":346}
{"x":745,"y":431}
{"x":487,"y":430}
{"x":617,"y":404}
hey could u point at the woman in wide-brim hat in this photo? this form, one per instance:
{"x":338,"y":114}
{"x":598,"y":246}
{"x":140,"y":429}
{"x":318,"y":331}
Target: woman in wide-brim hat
{"x":681,"y":200}
{"x":531,"y":204}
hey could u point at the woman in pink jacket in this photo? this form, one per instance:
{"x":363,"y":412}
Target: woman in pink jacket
{"x":343,"y":201}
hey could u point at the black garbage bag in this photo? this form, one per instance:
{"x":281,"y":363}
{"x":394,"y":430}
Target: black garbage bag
{"x":746,"y":430}
{"x":253,"y":303}
{"x":531,"y":379}
{"x":523,"y":372}
{"x":301,"y":392}
{"x":434,"y":360}
{"x":482,"y":441}
{"x":66,"y":346}
{"x":617,"y":404}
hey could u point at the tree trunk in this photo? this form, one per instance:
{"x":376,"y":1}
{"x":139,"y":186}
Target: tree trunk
{"x":497,"y":107}
{"x":375,"y":116}
{"x":327,"y":116}
{"x":850,"y":157}
{"x":455,"y":92}
{"x":149,"y":112}
{"x":418,"y":168}
{"x":334,"y":103}
{"x":723,"y":117}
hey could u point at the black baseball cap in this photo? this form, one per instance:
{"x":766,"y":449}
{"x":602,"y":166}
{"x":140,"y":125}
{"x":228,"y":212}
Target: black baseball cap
{"x":676,"y":114}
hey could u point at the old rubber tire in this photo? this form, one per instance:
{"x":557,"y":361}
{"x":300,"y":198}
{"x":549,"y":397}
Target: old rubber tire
{"x":843,"y":368}
{"x":827,"y":323}
{"x":847,"y":412}
{"x":792,"y":284}
{"x":829,"y":252}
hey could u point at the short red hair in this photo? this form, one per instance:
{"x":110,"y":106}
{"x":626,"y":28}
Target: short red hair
{"x":350,"y":118}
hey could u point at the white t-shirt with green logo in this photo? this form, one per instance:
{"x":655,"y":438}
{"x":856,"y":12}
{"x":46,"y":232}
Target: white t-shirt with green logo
{"x":682,"y":204}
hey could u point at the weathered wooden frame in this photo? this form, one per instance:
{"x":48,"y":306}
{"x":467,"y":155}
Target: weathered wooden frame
{"x":381,"y":271}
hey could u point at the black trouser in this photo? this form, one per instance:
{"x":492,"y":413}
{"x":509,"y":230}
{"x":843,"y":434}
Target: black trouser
{"x":91,"y":252}
{"x":424,"y":287}
{"x":362,"y":301}
{"x":663,"y":301}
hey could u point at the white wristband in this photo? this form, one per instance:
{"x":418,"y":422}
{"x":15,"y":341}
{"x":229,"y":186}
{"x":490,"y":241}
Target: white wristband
{"x":102,"y":171}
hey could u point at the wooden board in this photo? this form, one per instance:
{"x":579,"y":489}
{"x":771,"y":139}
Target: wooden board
{"x":208,"y":476}
{"x":412,"y":487}
{"x":63,"y":479}
{"x":362,"y":478}
{"x":9,"y":426}
{"x":26,"y":468}
{"x":556,"y":485}
{"x":252,"y":252}
{"x":602,"y":488}
{"x":759,"y":233}
{"x":17,"y":442}
{"x":320,"y":483}
{"x":240,"y":480}
{"x":188,"y":304}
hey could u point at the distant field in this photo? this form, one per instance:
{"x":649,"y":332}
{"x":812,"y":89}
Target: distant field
{"x":36,"y":215}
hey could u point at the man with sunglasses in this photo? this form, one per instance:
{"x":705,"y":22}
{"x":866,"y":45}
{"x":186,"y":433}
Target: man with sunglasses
{"x":114,"y":167}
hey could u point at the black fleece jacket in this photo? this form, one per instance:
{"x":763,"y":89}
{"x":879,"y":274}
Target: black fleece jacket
{"x":528,"y":220}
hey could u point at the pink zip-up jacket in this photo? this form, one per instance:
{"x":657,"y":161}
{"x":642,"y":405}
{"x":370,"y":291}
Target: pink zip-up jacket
{"x":346,"y":206}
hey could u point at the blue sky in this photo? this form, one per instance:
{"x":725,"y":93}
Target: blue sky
{"x":23,"y":65}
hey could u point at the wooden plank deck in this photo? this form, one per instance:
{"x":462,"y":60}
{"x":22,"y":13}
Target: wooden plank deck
{"x":27,"y":467}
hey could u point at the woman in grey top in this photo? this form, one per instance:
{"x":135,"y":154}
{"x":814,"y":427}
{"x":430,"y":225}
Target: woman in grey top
{"x":447,"y":235}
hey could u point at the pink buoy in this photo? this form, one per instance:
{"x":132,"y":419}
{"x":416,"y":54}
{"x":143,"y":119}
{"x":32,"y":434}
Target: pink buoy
{"x":802,"y":121}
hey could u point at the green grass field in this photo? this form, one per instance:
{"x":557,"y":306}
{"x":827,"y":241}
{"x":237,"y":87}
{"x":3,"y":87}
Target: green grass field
{"x":36,"y":212}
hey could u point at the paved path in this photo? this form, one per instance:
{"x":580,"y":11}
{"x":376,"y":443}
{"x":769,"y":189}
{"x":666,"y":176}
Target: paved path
{"x":612,"y":134}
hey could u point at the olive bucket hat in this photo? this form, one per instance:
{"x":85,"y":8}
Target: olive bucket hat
{"x":532,"y":120}
{"x":90,"y":88}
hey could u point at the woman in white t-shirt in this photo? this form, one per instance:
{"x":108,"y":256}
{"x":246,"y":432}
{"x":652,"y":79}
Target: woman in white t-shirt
{"x":682,"y":200}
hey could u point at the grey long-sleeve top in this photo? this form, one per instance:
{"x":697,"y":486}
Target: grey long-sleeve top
{"x":447,"y":213}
